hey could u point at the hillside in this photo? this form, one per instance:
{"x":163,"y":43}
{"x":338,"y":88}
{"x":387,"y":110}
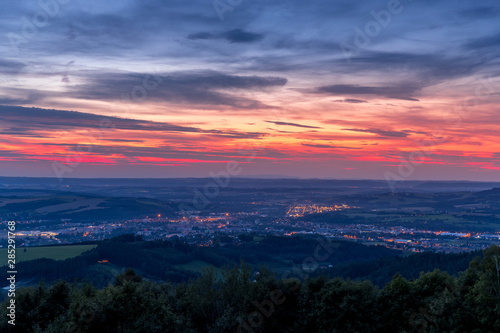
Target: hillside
{"x":239,"y":300}
{"x":176,"y":261}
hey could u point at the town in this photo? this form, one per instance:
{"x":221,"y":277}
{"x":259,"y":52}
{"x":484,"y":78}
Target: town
{"x":219,"y":229}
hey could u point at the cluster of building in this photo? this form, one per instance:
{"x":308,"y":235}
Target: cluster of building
{"x":305,"y":209}
{"x":221,"y":228}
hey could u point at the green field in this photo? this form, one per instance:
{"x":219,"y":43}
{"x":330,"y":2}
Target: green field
{"x":199,"y":266}
{"x":196,"y":266}
{"x":53,"y":252}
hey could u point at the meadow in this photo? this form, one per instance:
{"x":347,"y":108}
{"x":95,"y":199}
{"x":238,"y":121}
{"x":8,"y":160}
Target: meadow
{"x":52,"y":252}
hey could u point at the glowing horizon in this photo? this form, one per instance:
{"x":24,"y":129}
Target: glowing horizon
{"x":123,"y":89}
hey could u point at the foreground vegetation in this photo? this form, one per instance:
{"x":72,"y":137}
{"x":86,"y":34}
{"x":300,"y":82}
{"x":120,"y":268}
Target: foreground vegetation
{"x":242,"y":301}
{"x":176,"y":261}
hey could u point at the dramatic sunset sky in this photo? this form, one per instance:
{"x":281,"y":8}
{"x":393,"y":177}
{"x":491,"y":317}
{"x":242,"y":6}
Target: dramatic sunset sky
{"x":315,"y":89}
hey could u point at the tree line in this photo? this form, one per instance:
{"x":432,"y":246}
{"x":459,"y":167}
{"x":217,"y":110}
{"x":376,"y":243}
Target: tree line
{"x":242,"y":300}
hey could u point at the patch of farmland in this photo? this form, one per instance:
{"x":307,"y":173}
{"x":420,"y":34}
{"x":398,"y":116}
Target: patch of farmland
{"x":78,"y":205}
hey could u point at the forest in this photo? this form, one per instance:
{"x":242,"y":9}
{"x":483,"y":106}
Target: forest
{"x":243,"y":299}
{"x":166,"y":260}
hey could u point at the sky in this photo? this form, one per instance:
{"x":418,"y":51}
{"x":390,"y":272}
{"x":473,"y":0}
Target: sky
{"x":393,"y":90}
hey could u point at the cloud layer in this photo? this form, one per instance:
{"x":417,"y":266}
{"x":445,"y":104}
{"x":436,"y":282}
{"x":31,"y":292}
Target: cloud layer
{"x":181,"y":87}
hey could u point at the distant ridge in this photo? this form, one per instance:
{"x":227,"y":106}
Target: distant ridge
{"x":70,"y":184}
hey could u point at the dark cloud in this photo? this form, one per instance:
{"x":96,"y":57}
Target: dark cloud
{"x":46,"y":119}
{"x":350,"y":100}
{"x":413,"y":71}
{"x":10,"y":66}
{"x":275,"y":130}
{"x":203,"y":35}
{"x":379,"y":132}
{"x":31,"y":98}
{"x":482,"y":43}
{"x":240,"y":36}
{"x":22,"y":133}
{"x":327,"y":146}
{"x":197,"y":88}
{"x":122,"y":140}
{"x":14,"y":155}
{"x":480,"y":13}
{"x":35,"y":122}
{"x":396,"y":92}
{"x":232,"y":36}
{"x":428,"y":66}
{"x":170,"y":151}
{"x":234,"y":134}
{"x":290,"y":124}
{"x":415,"y":132}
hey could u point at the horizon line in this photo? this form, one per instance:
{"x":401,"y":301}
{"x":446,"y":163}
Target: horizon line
{"x":261,"y":177}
